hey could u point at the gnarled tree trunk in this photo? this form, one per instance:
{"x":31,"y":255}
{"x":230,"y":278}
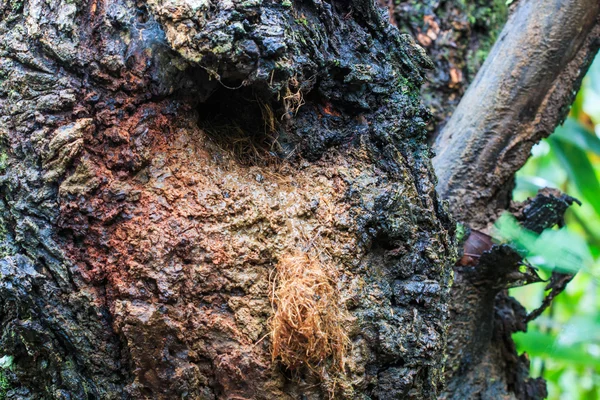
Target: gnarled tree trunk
{"x":225,"y":200}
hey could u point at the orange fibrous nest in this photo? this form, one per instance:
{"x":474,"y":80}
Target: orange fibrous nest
{"x":307,"y":326}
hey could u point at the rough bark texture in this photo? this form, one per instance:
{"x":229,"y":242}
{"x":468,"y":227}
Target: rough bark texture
{"x":159,"y":162}
{"x":482,"y":359}
{"x":522,"y":92}
{"x":145,"y":203}
{"x":480,"y":342}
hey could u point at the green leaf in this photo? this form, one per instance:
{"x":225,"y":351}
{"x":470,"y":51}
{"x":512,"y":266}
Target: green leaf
{"x":577,"y":106}
{"x":508,"y":229}
{"x":575,"y":133}
{"x":579,"y":169}
{"x":545,"y":345}
{"x":560,"y":249}
{"x":581,"y":329}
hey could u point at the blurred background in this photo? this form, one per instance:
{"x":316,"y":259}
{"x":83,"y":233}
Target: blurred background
{"x":564,"y":343}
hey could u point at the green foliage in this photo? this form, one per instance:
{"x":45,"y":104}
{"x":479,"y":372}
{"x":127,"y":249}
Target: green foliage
{"x":4,"y":385}
{"x":560,"y":249}
{"x":545,"y":345}
{"x":564,"y":344}
{"x":5,"y":363}
{"x":488,"y":16}
{"x":580,"y":170}
{"x":576,"y":134}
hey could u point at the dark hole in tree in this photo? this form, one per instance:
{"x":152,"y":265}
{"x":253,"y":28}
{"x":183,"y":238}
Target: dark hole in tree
{"x":242,"y":124}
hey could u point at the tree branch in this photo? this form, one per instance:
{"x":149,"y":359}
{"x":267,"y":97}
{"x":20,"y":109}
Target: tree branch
{"x":522,"y":92}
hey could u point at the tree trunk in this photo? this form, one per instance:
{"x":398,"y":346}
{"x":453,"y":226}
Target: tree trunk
{"x":221,"y":200}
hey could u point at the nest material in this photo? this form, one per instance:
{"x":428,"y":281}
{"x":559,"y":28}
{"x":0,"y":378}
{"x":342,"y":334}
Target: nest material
{"x":307,"y":325}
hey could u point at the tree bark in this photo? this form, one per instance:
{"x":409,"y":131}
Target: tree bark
{"x":163,"y":160}
{"x":524,"y":90}
{"x":164,"y":168}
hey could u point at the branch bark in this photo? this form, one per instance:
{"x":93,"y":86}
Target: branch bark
{"x":523,"y":90}
{"x":521,"y":93}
